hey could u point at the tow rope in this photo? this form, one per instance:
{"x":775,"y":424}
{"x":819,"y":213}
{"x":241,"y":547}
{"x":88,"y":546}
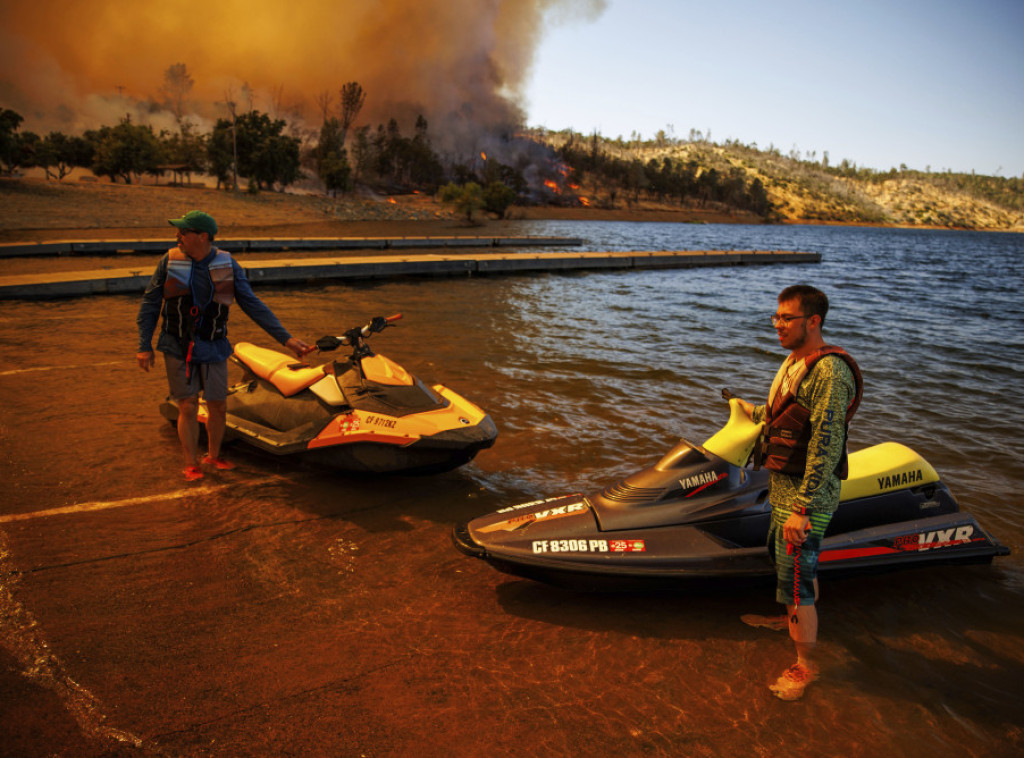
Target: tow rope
{"x":794,"y":550}
{"x":197,"y":318}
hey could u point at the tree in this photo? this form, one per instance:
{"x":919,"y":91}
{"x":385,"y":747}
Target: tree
{"x":636,"y":179}
{"x":386,"y":143}
{"x":9,"y":123}
{"x":497,"y":198}
{"x":327,"y":151}
{"x":335,"y":172}
{"x":362,"y":153}
{"x":175,"y":90}
{"x":425,"y":169}
{"x":707,"y":186}
{"x":387,"y":157}
{"x":125,"y":150}
{"x":58,"y":154}
{"x":323,"y":102}
{"x":733,"y":188}
{"x":466,"y":200}
{"x":758,"y":198}
{"x":265,"y":155}
{"x":16,"y":150}
{"x":352,"y":99}
{"x":187,"y":152}
{"x":220,"y":153}
{"x":276,"y":160}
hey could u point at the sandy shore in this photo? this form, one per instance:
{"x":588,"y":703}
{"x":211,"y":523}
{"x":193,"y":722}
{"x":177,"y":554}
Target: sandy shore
{"x":36,"y":211}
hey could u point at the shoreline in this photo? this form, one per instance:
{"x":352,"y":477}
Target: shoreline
{"x":45,"y":211}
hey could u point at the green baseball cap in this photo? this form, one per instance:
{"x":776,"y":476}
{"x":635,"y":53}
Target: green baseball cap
{"x":201,"y":222}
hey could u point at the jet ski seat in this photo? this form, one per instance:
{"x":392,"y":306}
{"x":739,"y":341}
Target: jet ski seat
{"x":277,"y":368}
{"x":885,"y":467}
{"x":735,"y":441}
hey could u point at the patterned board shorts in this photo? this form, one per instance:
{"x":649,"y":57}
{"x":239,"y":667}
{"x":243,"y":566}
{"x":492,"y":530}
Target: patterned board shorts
{"x":796,"y":567}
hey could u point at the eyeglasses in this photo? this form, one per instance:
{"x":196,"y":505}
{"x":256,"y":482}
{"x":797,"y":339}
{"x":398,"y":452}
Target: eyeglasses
{"x":784,"y":319}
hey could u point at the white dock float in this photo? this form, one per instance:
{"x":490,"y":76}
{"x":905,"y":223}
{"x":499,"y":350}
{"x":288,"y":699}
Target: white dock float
{"x":304,"y":270}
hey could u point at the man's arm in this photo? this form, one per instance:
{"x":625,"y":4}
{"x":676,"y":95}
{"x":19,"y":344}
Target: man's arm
{"x":831,"y":390}
{"x":258,"y":311}
{"x":149,"y":314}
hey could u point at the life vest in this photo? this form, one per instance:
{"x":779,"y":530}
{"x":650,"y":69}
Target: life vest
{"x":787,"y":431}
{"x":182,"y":316}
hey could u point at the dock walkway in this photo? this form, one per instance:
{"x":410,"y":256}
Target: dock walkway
{"x":302,"y":271}
{"x":105,"y":247}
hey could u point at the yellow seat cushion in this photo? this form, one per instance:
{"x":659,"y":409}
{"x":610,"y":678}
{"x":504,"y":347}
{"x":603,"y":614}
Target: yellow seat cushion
{"x":884,"y":468}
{"x":277,"y":368}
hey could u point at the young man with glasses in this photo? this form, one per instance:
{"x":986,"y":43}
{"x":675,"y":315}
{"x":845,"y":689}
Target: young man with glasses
{"x":193,"y":287}
{"x":812,"y":399}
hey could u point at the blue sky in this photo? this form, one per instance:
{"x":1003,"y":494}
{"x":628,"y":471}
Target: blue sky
{"x":930,"y":83}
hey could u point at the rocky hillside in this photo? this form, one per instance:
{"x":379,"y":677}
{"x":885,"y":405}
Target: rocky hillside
{"x":812,"y":191}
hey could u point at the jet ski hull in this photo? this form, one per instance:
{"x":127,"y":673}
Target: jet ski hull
{"x":444,"y":451}
{"x":696,"y":519}
{"x":689,"y":558}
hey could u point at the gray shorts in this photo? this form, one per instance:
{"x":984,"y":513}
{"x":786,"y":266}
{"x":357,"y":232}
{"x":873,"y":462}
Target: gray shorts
{"x":210,"y":378}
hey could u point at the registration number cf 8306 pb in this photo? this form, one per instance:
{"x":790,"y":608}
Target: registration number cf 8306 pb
{"x":589,"y":546}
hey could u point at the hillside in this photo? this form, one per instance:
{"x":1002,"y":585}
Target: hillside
{"x":790,"y":190}
{"x":809,"y":191}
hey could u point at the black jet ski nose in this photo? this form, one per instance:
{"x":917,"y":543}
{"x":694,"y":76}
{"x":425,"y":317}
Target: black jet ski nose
{"x":465,"y":543}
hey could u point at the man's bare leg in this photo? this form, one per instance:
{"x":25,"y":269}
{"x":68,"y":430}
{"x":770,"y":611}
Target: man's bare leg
{"x":188,"y":436}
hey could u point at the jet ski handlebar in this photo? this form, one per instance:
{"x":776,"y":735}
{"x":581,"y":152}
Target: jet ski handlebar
{"x":356,"y":335}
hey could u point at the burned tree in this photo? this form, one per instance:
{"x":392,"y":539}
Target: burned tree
{"x":175,"y":90}
{"x":352,"y":99}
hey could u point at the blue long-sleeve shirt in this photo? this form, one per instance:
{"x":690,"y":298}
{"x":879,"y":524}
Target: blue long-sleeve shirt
{"x":204,"y":351}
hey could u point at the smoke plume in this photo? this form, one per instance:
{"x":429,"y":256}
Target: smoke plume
{"x":463,"y":64}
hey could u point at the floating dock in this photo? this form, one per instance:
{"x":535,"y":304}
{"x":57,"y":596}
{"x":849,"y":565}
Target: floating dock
{"x":109,"y":247}
{"x":307,"y":270}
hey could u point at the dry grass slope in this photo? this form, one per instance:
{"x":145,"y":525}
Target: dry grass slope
{"x":804,"y":192}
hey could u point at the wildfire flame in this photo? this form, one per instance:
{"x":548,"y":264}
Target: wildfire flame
{"x":392,"y":201}
{"x":553,"y":186}
{"x":483,"y":155}
{"x":584,"y":202}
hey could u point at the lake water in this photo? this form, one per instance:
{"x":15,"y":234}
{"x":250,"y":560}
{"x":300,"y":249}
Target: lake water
{"x":590,"y":376}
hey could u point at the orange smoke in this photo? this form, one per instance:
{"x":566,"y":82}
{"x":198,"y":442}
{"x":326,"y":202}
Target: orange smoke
{"x":463,"y":64}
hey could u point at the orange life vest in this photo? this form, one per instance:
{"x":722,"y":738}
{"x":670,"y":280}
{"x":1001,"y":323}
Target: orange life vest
{"x":187,"y":319}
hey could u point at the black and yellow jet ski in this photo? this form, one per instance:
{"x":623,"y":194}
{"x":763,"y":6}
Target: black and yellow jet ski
{"x":700,"y":515}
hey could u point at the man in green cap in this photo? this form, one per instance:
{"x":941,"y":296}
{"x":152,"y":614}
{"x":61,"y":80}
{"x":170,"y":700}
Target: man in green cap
{"x":193,"y":287}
